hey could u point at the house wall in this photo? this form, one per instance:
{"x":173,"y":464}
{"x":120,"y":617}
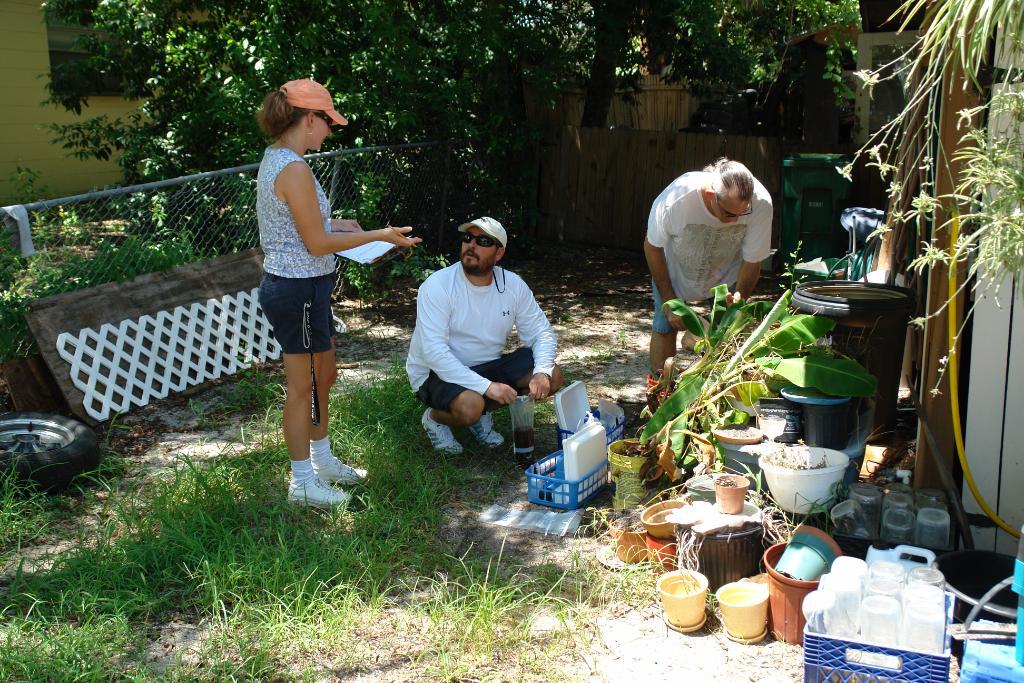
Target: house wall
{"x":24,"y":138}
{"x":994,"y":431}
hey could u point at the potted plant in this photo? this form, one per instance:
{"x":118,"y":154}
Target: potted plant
{"x":629,"y":537}
{"x":730,"y":492}
{"x":749,"y":350}
{"x":802,"y":478}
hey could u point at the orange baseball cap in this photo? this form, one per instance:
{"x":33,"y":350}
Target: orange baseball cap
{"x":309,"y":94}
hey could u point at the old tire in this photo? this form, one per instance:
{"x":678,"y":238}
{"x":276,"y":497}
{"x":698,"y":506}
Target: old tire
{"x":45,"y":449}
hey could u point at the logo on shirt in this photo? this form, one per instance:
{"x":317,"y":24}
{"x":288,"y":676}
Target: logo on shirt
{"x":504,"y":313}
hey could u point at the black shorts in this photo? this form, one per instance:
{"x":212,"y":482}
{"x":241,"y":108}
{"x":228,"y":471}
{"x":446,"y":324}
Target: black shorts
{"x":285,"y":301}
{"x":437,"y":393}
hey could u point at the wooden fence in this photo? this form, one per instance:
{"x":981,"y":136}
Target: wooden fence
{"x":597,"y":185}
{"x":654,"y":105}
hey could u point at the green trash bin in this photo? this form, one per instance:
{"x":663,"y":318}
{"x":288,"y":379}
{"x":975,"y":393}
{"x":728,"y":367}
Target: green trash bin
{"x":814,"y":195}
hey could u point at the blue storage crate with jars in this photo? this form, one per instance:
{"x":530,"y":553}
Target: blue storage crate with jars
{"x":829,"y":659}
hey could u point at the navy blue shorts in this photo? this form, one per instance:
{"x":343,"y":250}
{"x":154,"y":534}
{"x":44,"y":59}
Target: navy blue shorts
{"x":508,"y":369}
{"x":287,"y":300}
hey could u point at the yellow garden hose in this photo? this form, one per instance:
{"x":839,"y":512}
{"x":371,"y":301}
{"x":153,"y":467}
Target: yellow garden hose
{"x":954,"y":397}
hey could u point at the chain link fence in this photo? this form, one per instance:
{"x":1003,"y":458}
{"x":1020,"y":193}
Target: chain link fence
{"x":71,"y":243}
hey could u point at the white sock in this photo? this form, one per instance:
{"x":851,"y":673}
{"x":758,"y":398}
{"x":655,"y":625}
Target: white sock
{"x":320,"y":452}
{"x":302,"y":472}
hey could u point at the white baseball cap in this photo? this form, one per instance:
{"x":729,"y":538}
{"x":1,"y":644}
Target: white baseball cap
{"x":489,"y":227}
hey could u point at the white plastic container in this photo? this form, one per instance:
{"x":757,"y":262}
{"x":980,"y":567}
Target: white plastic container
{"x":799,"y":490}
{"x":571,"y":406}
{"x":584,"y":450}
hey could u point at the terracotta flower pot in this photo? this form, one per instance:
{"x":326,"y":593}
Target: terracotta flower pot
{"x":730,"y":492}
{"x":785,"y":599}
{"x":630,"y":546}
{"x":653,"y":518}
{"x":661,"y":552}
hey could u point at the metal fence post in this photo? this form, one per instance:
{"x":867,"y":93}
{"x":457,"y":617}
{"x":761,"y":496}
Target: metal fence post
{"x":332,"y":191}
{"x":17,"y":222}
{"x":442,"y":218}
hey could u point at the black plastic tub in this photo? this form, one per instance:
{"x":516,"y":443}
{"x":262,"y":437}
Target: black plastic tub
{"x":728,"y":557}
{"x":970,"y":574}
{"x":871,"y":326}
{"x":787,"y":410}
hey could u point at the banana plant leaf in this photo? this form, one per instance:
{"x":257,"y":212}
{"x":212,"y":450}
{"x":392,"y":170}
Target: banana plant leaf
{"x":793,"y":333}
{"x":687,"y":389}
{"x":836,"y":376}
{"x":749,"y":392}
{"x":718,"y":307}
{"x":759,"y":309}
{"x":777,"y":312}
{"x":690,"y":319}
{"x":678,"y":436}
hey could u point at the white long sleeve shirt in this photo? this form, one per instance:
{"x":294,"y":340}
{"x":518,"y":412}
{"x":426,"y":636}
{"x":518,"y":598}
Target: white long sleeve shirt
{"x":459,"y":325}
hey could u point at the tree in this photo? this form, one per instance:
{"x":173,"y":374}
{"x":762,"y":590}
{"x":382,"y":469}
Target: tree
{"x":401,"y":71}
{"x":710,"y":45}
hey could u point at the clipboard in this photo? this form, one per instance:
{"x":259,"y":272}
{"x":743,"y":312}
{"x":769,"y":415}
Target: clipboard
{"x":371,"y":253}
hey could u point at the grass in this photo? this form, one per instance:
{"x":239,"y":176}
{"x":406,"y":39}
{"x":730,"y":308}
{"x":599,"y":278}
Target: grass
{"x":281,"y":592}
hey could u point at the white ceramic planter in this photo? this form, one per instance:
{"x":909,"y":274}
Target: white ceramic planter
{"x":799,"y":490}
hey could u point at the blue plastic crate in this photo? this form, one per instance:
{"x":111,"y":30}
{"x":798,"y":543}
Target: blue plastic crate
{"x":546,"y":484}
{"x":990,"y":663}
{"x":835,"y":660}
{"x":616,"y":432}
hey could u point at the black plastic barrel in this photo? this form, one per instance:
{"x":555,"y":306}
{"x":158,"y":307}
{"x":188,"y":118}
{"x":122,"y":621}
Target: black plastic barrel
{"x":871,"y":326}
{"x":970,"y":574}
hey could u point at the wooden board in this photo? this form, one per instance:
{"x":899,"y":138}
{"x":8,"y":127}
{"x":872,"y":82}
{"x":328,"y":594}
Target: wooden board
{"x":32,"y":386}
{"x":116,"y":301}
{"x":936,"y":345}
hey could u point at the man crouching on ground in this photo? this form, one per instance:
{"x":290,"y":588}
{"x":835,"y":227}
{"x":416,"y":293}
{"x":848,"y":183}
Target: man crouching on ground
{"x":464,"y":315}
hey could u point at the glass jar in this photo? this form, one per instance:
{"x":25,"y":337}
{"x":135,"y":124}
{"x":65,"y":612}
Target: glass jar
{"x":898,"y":525}
{"x":932,"y":528}
{"x":868,"y":498}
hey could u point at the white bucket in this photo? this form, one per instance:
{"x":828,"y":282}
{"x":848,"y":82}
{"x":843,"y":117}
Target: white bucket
{"x":799,"y":490}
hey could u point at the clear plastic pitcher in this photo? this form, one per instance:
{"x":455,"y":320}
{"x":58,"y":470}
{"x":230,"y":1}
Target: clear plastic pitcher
{"x":522,"y":410}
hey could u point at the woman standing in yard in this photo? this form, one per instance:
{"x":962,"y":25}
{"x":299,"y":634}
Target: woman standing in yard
{"x":299,"y":239}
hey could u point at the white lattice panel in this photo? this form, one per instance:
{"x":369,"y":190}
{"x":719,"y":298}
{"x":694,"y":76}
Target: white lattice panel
{"x":138,"y":360}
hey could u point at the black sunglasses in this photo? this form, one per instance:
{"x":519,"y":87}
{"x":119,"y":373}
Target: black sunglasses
{"x":730,"y":214}
{"x":325,"y":118}
{"x":481,"y":240}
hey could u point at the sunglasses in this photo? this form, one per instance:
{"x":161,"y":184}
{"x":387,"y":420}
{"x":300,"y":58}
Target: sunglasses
{"x":481,"y":240}
{"x":730,"y":214}
{"x":325,"y":118}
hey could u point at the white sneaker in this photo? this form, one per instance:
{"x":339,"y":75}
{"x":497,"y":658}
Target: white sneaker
{"x":483,"y":430}
{"x":441,"y":436}
{"x":337,"y":472}
{"x":316,"y":493}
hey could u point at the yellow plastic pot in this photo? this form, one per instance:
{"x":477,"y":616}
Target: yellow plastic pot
{"x":744,"y":606}
{"x":683,"y":595}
